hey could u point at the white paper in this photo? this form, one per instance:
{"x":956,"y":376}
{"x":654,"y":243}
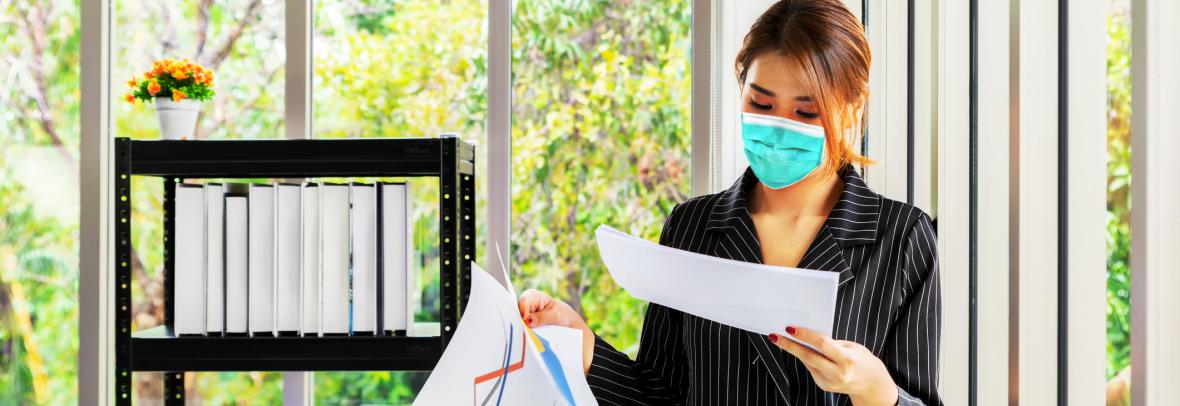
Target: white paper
{"x":396,"y":240}
{"x":567,"y":344}
{"x":364,"y":258}
{"x":494,"y":359}
{"x":760,"y":298}
{"x":189,"y":264}
{"x":236,"y":264}
{"x":261,"y":299}
{"x":310,"y":265}
{"x":215,"y":258}
{"x":288,"y":256}
{"x":334,"y":257}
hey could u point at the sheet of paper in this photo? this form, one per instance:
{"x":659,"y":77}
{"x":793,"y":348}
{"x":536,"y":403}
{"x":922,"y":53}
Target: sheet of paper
{"x":567,"y":345}
{"x":760,"y":298}
{"x":494,"y":359}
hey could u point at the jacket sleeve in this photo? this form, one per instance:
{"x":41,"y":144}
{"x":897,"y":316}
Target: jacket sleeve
{"x":911,"y":354}
{"x":657,"y":375}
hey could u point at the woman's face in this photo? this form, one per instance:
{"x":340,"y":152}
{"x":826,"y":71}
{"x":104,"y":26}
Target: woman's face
{"x":772,"y":88}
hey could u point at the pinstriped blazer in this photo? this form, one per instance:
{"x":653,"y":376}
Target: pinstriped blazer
{"x":888,"y":300}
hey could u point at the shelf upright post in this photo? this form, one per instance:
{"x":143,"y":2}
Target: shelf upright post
{"x":467,"y":223}
{"x":122,"y":277}
{"x":448,"y":236}
{"x":173,"y":380}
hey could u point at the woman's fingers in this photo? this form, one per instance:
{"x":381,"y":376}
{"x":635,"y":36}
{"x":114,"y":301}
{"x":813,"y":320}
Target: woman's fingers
{"x":809,"y":357}
{"x":824,"y":344}
{"x":532,"y":301}
{"x":549,"y":316}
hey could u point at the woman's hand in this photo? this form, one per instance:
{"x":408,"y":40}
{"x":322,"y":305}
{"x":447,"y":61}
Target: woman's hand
{"x":538,"y":309}
{"x":843,"y":367}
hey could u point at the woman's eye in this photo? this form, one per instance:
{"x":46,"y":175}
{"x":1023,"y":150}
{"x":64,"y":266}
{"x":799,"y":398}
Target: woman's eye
{"x":806,"y":115}
{"x":759,"y":106}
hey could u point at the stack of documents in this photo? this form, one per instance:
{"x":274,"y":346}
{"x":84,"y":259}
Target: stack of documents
{"x":760,"y":298}
{"x":293,"y":259}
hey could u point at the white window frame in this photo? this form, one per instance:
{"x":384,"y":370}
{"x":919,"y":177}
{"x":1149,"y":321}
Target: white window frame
{"x":992,"y":204}
{"x":1085,"y":109}
{"x":953,"y":129}
{"x":96,"y":238}
{"x":1155,"y":227}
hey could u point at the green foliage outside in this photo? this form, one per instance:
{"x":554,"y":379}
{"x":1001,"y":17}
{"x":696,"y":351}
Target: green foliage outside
{"x":1118,"y":226}
{"x":600,"y":136}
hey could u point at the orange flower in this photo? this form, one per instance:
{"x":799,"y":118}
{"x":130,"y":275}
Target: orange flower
{"x":148,"y":75}
{"x":178,"y":95}
{"x":129,"y":98}
{"x":153,"y":87}
{"x":132,"y":82}
{"x":179,"y":74}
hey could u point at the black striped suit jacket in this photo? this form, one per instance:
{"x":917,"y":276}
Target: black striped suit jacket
{"x":888,"y":300}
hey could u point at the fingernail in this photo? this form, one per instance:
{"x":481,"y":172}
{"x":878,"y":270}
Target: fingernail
{"x":791,"y":330}
{"x":773,"y":338}
{"x":529,"y":321}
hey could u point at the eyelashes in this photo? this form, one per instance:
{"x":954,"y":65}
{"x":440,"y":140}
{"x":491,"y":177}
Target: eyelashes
{"x":767,"y":107}
{"x":759,"y":106}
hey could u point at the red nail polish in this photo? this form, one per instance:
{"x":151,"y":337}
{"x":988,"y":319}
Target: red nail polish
{"x":773,"y":338}
{"x":528,"y":321}
{"x":791,"y":330}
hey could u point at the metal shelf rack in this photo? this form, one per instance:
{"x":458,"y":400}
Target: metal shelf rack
{"x":449,"y":159}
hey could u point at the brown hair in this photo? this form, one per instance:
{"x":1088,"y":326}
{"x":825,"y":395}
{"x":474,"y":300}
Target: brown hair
{"x":827,"y":43}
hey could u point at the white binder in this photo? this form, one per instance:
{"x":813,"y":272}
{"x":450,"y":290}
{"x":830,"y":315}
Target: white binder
{"x":236,"y":263}
{"x":310,"y":265}
{"x":363,"y":216}
{"x":396,"y":257}
{"x":188,"y":268}
{"x":214,"y":258}
{"x":334,"y":228}
{"x":288,"y":256}
{"x":261,"y":300}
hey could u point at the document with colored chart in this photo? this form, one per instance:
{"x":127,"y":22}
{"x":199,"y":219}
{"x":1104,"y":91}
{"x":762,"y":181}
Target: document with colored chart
{"x":494,"y":359}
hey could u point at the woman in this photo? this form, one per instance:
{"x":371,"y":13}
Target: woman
{"x":803,"y":69}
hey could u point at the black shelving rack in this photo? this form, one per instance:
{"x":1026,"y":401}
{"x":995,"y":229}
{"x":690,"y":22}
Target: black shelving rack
{"x":157,"y":349}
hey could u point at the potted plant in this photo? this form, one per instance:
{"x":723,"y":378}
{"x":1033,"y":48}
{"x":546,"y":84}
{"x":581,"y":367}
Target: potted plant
{"x":178,"y":87}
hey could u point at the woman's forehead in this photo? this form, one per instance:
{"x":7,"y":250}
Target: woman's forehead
{"x":777,"y":74}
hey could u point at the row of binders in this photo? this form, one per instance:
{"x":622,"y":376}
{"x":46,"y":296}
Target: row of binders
{"x":293,"y":259}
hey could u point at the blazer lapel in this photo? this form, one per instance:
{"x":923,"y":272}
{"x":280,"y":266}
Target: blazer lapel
{"x":737,"y":240}
{"x":737,"y":244}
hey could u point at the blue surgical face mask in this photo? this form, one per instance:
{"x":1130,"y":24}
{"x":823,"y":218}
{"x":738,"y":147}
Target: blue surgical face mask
{"x":781,"y":151}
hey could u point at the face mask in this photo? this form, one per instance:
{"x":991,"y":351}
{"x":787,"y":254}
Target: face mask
{"x":781,"y":151}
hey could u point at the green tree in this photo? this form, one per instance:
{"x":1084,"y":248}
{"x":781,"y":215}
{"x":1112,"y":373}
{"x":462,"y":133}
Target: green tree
{"x":601,"y":113}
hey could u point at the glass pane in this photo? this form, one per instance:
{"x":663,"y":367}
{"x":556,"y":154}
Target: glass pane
{"x":408,"y":68}
{"x":601,"y":135}
{"x":39,"y":116}
{"x":242,"y":43}
{"x":1118,"y":226}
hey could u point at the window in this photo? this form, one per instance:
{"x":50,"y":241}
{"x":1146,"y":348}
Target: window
{"x":1118,"y":203}
{"x":601,"y":135}
{"x":242,"y":43}
{"x":39,"y":112}
{"x":414,"y":68}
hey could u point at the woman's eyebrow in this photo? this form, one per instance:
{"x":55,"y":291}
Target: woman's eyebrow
{"x":761,"y":89}
{"x":769,"y":93}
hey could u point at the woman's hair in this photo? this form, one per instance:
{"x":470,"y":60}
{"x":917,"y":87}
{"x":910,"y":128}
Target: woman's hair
{"x":827,"y":44}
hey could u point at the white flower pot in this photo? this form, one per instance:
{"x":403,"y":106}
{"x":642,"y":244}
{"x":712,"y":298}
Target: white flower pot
{"x":178,"y":120}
